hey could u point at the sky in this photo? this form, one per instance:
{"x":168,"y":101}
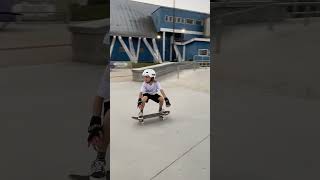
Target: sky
{"x":195,"y":5}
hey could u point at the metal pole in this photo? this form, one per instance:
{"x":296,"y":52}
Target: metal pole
{"x":173,"y":26}
{"x":164,"y":46}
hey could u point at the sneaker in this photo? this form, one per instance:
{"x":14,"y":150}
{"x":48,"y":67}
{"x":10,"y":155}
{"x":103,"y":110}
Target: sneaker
{"x":98,"y":169}
{"x":140,"y":115}
{"x":168,"y":104}
{"x":162,"y":112}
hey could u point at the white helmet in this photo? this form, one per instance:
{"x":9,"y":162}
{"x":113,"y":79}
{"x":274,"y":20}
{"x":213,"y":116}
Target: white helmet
{"x":149,"y":72}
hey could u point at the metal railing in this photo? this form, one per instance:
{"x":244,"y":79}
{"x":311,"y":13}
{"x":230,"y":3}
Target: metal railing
{"x":47,"y":16}
{"x":201,"y":58}
{"x":266,"y":10}
{"x":202,"y":61}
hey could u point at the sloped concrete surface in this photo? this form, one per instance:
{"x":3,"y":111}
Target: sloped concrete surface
{"x":161,"y":149}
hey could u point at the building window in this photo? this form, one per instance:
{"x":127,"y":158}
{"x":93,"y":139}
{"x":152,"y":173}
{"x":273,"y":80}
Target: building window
{"x":203,"y":52}
{"x":189,"y":21}
{"x":168,"y":18}
{"x":199,"y":22}
{"x":178,"y":20}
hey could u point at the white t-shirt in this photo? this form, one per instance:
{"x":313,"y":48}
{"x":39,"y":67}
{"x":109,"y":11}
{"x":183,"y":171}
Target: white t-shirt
{"x":152,"y":89}
{"x":104,"y":86}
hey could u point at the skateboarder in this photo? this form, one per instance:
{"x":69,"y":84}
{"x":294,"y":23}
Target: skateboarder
{"x":99,"y":130}
{"x":150,"y":90}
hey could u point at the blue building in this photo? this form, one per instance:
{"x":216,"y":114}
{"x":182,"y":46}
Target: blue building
{"x":150,"y":33}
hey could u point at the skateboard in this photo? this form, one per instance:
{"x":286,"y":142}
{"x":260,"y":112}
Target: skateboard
{"x":86,"y":177}
{"x":165,"y":113}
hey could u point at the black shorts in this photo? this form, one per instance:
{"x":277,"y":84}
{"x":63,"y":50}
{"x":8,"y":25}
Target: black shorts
{"x":154,"y":97}
{"x":106,"y":107}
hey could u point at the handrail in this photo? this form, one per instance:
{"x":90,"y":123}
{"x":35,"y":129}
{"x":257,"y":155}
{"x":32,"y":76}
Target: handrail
{"x":203,"y":58}
{"x":297,"y":3}
{"x":245,"y":10}
{"x":261,"y":5}
{"x":255,"y":3}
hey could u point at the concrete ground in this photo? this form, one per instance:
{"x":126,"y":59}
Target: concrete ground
{"x":266,"y":103}
{"x":46,"y":103}
{"x":45,"y":111}
{"x":176,"y":148}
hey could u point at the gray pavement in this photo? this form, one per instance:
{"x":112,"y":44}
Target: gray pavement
{"x":176,"y":148}
{"x":266,"y":103}
{"x":45,"y":111}
{"x":46,"y":103}
{"x":46,"y":108}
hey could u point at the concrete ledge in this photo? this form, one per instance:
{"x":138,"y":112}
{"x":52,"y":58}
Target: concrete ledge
{"x":163,"y":69}
{"x":87,"y":41}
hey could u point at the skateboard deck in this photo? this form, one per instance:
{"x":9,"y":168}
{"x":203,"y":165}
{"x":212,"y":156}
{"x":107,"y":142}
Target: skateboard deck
{"x":151,"y":115}
{"x":86,"y":177}
{"x":79,"y":177}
